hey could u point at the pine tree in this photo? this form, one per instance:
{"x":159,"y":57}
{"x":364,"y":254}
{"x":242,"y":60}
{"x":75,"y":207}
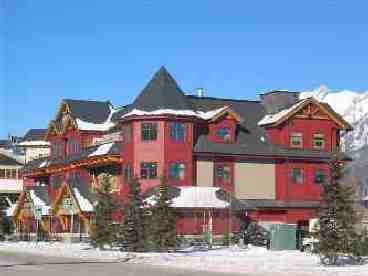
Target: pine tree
{"x":337,"y":217}
{"x":132,"y":232}
{"x":103,"y":233}
{"x":163,"y":228}
{"x":2,"y":218}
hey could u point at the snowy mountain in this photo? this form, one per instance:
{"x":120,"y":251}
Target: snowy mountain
{"x":353,"y":106}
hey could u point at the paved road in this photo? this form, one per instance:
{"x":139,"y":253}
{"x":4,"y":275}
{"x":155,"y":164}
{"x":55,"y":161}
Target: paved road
{"x":19,"y":264}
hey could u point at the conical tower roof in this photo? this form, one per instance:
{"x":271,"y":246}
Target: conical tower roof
{"x":162,"y":92}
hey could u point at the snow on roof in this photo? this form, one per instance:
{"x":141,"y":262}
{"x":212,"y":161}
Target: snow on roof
{"x":83,"y":125}
{"x":9,"y":153}
{"x":199,"y":114}
{"x":33,"y":143}
{"x":84,"y":203}
{"x":102,"y":149}
{"x":199,"y":197}
{"x":273,"y":118}
{"x":43,"y":164}
{"x":194,"y":197}
{"x":38,"y":202}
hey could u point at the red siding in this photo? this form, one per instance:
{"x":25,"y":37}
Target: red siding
{"x":225,"y":123}
{"x":180,"y":152}
{"x":309,"y":190}
{"x":280,"y":135}
{"x":149,"y":151}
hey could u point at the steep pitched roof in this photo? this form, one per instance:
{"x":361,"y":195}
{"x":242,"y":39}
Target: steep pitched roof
{"x":161,"y":92}
{"x":35,"y":135}
{"x":96,"y":112}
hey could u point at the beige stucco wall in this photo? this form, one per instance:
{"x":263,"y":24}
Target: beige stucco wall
{"x":204,"y":173}
{"x":254,"y":181}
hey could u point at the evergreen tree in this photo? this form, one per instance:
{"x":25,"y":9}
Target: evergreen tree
{"x":103,"y":231}
{"x":2,"y":218}
{"x":132,"y":231}
{"x":163,"y":226}
{"x":337,"y":217}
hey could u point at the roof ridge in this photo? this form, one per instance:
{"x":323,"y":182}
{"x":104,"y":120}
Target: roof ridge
{"x":221,"y":99}
{"x":92,"y":101}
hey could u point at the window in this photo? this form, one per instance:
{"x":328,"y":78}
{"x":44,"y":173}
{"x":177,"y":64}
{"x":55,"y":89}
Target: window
{"x":149,"y":170}
{"x":224,"y":134}
{"x":177,"y":132}
{"x":296,"y":140}
{"x":127,"y":172}
{"x":319,"y":176}
{"x":149,"y":131}
{"x":318,"y":141}
{"x":177,"y":171}
{"x":74,"y":146}
{"x":297,"y":176}
{"x":223,"y":173}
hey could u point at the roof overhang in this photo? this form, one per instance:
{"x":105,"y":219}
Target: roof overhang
{"x":299,"y":106}
{"x":90,"y":162}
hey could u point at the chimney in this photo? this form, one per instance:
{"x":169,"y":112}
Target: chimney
{"x":200,"y":92}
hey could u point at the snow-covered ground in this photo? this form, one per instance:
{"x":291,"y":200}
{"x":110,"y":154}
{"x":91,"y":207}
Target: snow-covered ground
{"x":253,"y":260}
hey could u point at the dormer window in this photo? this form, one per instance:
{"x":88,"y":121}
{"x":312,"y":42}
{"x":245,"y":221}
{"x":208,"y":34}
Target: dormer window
{"x":296,"y":140}
{"x":318,"y":141}
{"x":224,"y":133}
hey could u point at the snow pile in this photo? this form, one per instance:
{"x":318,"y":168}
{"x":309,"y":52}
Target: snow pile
{"x":273,"y":118}
{"x":83,"y":203}
{"x":105,"y":126}
{"x":194,"y":197}
{"x":38,"y":202}
{"x":102,"y":150}
{"x":252,"y":261}
{"x":199,"y":114}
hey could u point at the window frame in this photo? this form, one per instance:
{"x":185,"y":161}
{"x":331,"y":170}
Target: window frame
{"x":296,"y":135}
{"x":127,"y":172}
{"x":150,"y":169}
{"x":318,"y":135}
{"x":224,"y":137}
{"x":149,"y":131}
{"x":294,"y":179}
{"x":225,"y":170}
{"x":180,"y":171}
{"x":320,"y":172}
{"x":178,"y":132}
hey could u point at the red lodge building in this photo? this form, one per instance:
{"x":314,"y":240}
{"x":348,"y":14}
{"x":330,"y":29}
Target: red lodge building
{"x":226,"y":159}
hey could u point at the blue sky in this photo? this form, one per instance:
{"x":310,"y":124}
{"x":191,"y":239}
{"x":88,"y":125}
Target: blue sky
{"x":108,"y":50}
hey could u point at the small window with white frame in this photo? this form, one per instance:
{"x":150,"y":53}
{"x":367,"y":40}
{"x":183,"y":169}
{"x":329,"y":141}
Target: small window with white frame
{"x":318,"y":141}
{"x":296,"y":140}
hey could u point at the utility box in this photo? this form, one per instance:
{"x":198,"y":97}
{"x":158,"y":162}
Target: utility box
{"x":283,"y":236}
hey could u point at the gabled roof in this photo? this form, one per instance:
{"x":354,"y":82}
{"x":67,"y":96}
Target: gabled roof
{"x":35,"y":135}
{"x":96,"y":112}
{"x":6,"y":160}
{"x":284,"y":115}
